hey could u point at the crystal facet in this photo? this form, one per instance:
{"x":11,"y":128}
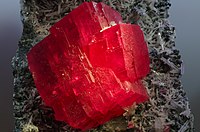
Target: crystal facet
{"x":90,"y":66}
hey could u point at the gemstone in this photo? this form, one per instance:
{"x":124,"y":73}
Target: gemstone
{"x":89,"y":68}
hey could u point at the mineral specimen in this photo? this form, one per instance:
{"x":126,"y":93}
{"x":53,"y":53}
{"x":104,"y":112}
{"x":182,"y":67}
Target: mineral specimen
{"x":89,"y":68}
{"x":168,"y":107}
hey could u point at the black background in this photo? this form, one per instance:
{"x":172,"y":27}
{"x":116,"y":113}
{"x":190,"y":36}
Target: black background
{"x":184,"y":15}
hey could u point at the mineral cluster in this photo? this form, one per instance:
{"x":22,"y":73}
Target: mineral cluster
{"x":89,"y":68}
{"x":167,"y":108}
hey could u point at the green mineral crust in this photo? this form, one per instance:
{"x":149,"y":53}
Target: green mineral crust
{"x":168,"y":107}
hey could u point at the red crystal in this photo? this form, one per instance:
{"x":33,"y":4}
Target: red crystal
{"x":89,"y":68}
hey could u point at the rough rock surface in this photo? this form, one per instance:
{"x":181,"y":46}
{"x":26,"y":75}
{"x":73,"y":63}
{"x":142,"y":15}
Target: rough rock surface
{"x":168,"y":108}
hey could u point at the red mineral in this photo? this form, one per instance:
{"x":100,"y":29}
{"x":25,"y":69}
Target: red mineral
{"x":90,"y":66}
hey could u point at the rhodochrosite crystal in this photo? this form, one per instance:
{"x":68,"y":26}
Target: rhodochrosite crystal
{"x":90,"y":66}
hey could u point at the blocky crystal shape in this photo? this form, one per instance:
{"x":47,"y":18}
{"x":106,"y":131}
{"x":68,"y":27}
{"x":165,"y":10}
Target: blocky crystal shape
{"x":89,"y":68}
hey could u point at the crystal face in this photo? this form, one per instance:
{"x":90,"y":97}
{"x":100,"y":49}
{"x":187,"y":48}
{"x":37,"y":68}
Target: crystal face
{"x":90,"y":66}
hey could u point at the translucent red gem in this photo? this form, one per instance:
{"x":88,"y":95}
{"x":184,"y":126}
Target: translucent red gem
{"x":89,"y":68}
